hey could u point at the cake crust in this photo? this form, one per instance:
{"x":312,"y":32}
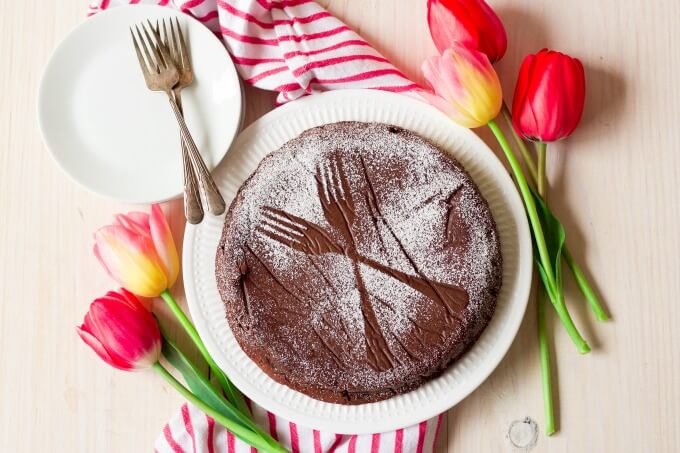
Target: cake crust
{"x":358,"y":262}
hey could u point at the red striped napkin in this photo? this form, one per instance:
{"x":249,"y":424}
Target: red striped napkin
{"x":193,"y":431}
{"x":294,"y":47}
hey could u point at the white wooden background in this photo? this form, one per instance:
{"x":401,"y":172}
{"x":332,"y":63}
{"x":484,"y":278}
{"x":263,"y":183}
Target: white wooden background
{"x":614,"y":183}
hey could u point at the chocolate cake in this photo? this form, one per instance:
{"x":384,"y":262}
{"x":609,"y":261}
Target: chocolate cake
{"x":358,"y":262}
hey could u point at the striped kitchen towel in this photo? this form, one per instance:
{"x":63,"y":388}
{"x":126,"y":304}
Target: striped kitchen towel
{"x":294,"y":47}
{"x":192,"y":431}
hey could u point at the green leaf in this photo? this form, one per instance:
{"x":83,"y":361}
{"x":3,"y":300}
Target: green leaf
{"x":554,"y":234}
{"x":198,"y":383}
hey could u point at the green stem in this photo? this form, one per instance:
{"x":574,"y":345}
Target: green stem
{"x":540,"y":184}
{"x":543,"y":349}
{"x":579,"y":276}
{"x":526,"y":154}
{"x":233,"y":395}
{"x":544,"y":354}
{"x":238,"y":430}
{"x":600,"y":313}
{"x":554,"y":291}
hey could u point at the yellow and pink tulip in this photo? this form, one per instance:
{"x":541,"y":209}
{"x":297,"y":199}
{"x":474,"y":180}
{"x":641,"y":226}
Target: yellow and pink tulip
{"x":138,"y":251}
{"x":465,"y":86}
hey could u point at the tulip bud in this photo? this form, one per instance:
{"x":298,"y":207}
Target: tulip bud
{"x":471,"y":23}
{"x":549,"y":96}
{"x":138,"y":251}
{"x":466,"y":87}
{"x":121,"y":331}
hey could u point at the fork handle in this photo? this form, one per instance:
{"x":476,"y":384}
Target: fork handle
{"x":213,"y":198}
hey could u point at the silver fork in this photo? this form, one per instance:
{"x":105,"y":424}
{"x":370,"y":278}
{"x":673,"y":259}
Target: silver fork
{"x":182,"y":57}
{"x":161,"y":74}
{"x":193,"y":209}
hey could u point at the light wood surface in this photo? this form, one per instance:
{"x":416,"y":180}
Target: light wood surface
{"x":614,"y":183}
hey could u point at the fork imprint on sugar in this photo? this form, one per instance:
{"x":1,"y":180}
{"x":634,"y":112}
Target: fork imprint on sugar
{"x":339,"y":210}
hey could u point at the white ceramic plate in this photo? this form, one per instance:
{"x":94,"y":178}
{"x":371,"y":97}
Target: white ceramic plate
{"x":113,"y":135}
{"x":438,"y":395}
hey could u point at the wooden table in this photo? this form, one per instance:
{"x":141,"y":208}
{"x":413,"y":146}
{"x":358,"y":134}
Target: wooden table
{"x":614,"y":183}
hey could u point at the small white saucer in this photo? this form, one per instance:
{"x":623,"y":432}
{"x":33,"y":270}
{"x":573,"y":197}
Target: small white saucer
{"x":109,"y":132}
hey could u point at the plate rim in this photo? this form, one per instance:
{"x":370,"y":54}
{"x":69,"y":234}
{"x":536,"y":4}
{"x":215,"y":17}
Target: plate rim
{"x":520,"y":301}
{"x":41,"y":94}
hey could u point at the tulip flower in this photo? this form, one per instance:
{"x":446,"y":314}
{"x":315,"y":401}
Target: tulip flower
{"x":138,"y":251}
{"x":125,"y":335}
{"x":549,"y":96}
{"x":122,"y":331}
{"x":471,"y":23}
{"x":466,"y":87}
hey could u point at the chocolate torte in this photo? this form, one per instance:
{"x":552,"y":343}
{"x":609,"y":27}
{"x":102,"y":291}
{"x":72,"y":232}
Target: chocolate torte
{"x":357,"y":262}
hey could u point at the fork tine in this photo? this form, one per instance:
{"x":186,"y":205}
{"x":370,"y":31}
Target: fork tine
{"x":342,"y":176}
{"x":282,"y":239}
{"x":273,"y":221}
{"x":184,"y":49}
{"x":174,"y":48}
{"x":142,"y":62}
{"x":156,"y":61}
{"x":151,"y":62}
{"x":167,"y":41}
{"x":162,"y":48}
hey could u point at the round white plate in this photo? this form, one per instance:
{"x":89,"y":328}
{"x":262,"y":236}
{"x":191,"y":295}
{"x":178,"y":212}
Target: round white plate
{"x":113,"y":135}
{"x":436,"y":396}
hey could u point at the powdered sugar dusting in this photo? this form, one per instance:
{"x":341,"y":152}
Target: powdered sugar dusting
{"x":406,"y":193}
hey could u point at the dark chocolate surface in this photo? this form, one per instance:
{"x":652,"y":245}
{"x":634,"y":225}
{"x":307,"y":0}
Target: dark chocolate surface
{"x":357,"y":262}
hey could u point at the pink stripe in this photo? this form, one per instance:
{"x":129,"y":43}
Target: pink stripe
{"x":211,"y":434}
{"x":265,"y":74}
{"x":333,"y":61}
{"x":281,"y":3}
{"x":361,"y":76}
{"x":248,"y":39}
{"x":163,"y":2}
{"x":398,"y":441}
{"x":134,"y":2}
{"x":336,"y":444}
{"x":436,"y":431}
{"x":243,"y":15}
{"x":207,"y":18}
{"x":255,"y":61}
{"x":231,"y":442}
{"x":308,"y":37}
{"x":303,"y":20}
{"x":288,"y":87}
{"x":294,"y":441}
{"x":171,"y":441}
{"x":375,"y":443}
{"x":186,"y":417}
{"x":190,"y":4}
{"x":104,"y":4}
{"x":421,"y":436}
{"x":349,"y":42}
{"x":272,"y":425}
{"x":397,"y":89}
{"x":317,"y":441}
{"x":352,"y":447}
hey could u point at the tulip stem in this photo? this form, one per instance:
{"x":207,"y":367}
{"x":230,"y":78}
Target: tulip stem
{"x":233,"y":395}
{"x":554,"y":291}
{"x":540,"y":183}
{"x":238,"y":430}
{"x":526,"y":154}
{"x":577,"y":272}
{"x":543,"y":348}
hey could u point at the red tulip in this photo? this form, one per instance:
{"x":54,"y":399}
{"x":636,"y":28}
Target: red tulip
{"x":549,"y":96}
{"x":471,"y":23}
{"x":121,"y":331}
